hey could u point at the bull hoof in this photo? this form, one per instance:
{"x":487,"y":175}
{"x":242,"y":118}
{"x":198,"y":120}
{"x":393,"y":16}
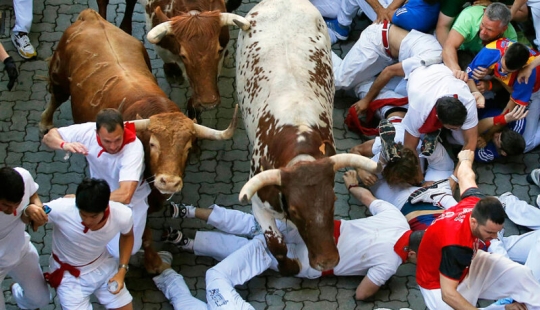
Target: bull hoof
{"x":44,"y":129}
{"x":173,"y":73}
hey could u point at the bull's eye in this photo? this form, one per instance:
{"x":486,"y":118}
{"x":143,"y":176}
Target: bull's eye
{"x":152,"y":144}
{"x":183,"y":57}
{"x":221,"y":49}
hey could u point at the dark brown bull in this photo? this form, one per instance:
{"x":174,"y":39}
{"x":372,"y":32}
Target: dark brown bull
{"x":191,"y":34}
{"x":116,"y":73}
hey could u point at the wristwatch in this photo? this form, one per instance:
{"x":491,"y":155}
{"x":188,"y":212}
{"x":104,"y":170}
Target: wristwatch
{"x":125,"y":266}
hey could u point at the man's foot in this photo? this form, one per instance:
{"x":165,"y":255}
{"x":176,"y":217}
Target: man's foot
{"x":432,"y":194}
{"x":534,"y":177}
{"x":335,"y":29}
{"x":23,"y":45}
{"x":387,"y":132}
{"x":177,"y":238}
{"x":429,"y":142}
{"x":176,"y":210}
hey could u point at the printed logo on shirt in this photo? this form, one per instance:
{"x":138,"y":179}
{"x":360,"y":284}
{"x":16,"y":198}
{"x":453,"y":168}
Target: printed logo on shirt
{"x":218,"y":298}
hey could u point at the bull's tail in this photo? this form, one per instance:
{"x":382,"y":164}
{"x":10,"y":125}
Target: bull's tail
{"x":89,"y":15}
{"x":232,"y":5}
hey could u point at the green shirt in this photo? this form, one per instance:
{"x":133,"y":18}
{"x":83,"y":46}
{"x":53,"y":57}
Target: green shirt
{"x":468,"y":25}
{"x":452,"y":8}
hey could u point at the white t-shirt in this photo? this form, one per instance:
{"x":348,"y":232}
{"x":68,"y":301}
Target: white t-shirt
{"x":426,"y":85}
{"x":77,"y":248}
{"x":13,"y":237}
{"x":366,"y":246}
{"x":126,"y":165}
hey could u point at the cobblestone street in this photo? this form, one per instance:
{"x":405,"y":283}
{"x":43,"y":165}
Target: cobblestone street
{"x":215,"y":175}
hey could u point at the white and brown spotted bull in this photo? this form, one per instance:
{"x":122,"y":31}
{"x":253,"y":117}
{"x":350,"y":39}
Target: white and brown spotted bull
{"x":286,"y":91}
{"x":192,"y":34}
{"x":116,"y":73}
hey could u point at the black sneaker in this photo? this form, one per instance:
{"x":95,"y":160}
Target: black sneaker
{"x":429,"y":142}
{"x":174,"y":236}
{"x":176,"y":210}
{"x":387,"y":132}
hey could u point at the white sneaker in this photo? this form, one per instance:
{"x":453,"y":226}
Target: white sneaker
{"x":166,"y":257}
{"x":538,"y":201}
{"x":534,"y":177}
{"x":23,"y":45}
{"x":432,"y":194}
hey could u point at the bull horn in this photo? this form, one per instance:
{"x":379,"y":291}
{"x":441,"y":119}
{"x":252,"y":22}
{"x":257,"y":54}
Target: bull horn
{"x":157,"y":33}
{"x":258,"y":181}
{"x":141,"y":124}
{"x":230,"y":19}
{"x":204,"y":132}
{"x":356,"y":161}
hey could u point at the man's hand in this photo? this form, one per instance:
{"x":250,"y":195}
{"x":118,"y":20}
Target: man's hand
{"x":460,"y":75}
{"x":36,"y":215}
{"x":481,"y":142}
{"x":383,"y":14}
{"x":119,"y":278}
{"x":519,"y":112}
{"x":466,"y":155}
{"x":361,"y":106}
{"x":367,"y":178}
{"x":480,"y":100}
{"x":479,"y":73}
{"x":515,"y":306}
{"x":524,"y":74}
{"x":11,"y":68}
{"x":75,"y":147}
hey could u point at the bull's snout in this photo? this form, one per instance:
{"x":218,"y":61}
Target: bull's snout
{"x":168,"y":184}
{"x":207,"y":102}
{"x":324,"y":262}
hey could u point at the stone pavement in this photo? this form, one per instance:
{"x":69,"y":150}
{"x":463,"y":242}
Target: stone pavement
{"x":216,"y":175}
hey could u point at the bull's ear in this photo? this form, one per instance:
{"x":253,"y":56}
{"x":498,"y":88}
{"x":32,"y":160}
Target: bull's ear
{"x":327,"y":148}
{"x":161,"y":17}
{"x":265,"y":164}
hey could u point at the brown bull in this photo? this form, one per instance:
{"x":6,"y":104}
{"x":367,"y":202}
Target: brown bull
{"x":189,"y":34}
{"x":116,"y":73}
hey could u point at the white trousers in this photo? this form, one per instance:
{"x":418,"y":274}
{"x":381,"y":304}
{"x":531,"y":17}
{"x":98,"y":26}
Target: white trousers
{"x":74,"y":293}
{"x":177,"y":292}
{"x":532,"y":131}
{"x":492,"y":276}
{"x":30,"y":290}
{"x":366,"y":59}
{"x":349,"y":9}
{"x":520,"y":212}
{"x":140,"y":211}
{"x":328,"y":8}
{"x":534,"y":6}
{"x":23,"y":15}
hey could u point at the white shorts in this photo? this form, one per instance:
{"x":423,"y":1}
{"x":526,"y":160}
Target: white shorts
{"x":74,"y":293}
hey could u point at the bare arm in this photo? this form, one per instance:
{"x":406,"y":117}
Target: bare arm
{"x":3,"y":53}
{"x":449,"y":54}
{"x":470,"y":136}
{"x":379,"y":83}
{"x":525,"y":72}
{"x":126,"y":246}
{"x":465,"y":174}
{"x":54,"y":140}
{"x":364,"y":149}
{"x":125,"y":192}
{"x":366,"y":289}
{"x":384,"y":13}
{"x":516,"y":7}
{"x":34,"y":214}
{"x":444,"y":24}
{"x":451,"y":296}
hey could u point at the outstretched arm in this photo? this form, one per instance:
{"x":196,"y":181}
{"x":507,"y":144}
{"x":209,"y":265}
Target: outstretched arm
{"x":54,"y":140}
{"x":465,"y":174}
{"x":449,"y":54}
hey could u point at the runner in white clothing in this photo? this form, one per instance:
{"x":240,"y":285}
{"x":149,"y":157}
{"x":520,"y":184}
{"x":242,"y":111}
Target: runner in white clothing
{"x":115,"y":154}
{"x":19,"y":204}
{"x":383,"y":249}
{"x":436,"y":100}
{"x":80,"y":263}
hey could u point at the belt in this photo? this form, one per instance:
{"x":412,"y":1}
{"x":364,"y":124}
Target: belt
{"x":55,"y":278}
{"x":395,"y":120}
{"x":385,"y":27}
{"x":337,"y":228}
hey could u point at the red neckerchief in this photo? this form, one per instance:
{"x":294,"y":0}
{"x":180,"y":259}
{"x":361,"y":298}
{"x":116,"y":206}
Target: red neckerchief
{"x":105,"y":216}
{"x":368,"y":128}
{"x":432,"y":122}
{"x":402,"y":245}
{"x":129,"y":136}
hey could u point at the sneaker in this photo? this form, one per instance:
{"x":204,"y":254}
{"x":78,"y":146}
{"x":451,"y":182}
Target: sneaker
{"x":538,"y":201}
{"x":23,"y":45}
{"x":177,"y":210}
{"x":341,"y":32}
{"x":175,"y":237}
{"x":387,"y":132}
{"x":429,"y":142}
{"x":432,"y":194}
{"x":166,"y":257}
{"x":534,"y":177}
